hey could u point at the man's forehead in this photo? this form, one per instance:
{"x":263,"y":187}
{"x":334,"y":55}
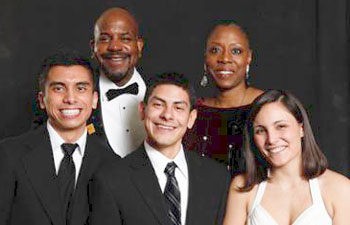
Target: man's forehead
{"x":70,"y":73}
{"x":117,"y":26}
{"x":170,"y":93}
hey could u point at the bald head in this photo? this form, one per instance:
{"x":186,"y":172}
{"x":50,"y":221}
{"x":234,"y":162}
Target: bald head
{"x":117,"y":45}
{"x":113,"y":16}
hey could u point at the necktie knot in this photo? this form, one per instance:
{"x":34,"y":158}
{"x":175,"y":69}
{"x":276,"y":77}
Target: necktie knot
{"x":170,"y":169}
{"x":131,"y":89}
{"x":68,"y":148}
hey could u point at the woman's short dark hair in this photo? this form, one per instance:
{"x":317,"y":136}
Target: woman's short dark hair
{"x":226,"y":23}
{"x":314,"y":162}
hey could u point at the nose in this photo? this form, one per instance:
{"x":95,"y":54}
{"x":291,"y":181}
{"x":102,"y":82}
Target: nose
{"x":225,"y":57}
{"x":271,"y":137}
{"x":167,"y":113}
{"x":114,"y":45}
{"x":69,"y":97}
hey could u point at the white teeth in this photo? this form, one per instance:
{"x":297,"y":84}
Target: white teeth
{"x":70,"y":112}
{"x":275,"y":150}
{"x":116,"y":59}
{"x":225,"y":72}
{"x":165,"y":127}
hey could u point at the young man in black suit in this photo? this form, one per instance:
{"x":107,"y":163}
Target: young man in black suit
{"x":44,"y":173}
{"x":162,"y":183}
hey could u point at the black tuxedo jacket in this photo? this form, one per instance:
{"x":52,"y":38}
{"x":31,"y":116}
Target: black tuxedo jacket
{"x":128,"y":193}
{"x":29,"y":192}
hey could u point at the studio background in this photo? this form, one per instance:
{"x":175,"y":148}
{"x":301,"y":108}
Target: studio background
{"x":301,"y":46}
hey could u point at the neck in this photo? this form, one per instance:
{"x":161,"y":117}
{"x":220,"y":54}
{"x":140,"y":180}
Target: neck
{"x":231,"y":98}
{"x":290,"y":174}
{"x":69,"y":136}
{"x":168,"y":151}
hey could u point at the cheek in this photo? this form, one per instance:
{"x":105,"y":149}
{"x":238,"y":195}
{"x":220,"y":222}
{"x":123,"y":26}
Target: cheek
{"x":210,"y":61}
{"x":100,"y":49}
{"x":259,"y":141}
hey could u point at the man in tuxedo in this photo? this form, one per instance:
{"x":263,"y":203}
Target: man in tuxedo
{"x":117,"y":47}
{"x":162,"y":183}
{"x":44,"y":173}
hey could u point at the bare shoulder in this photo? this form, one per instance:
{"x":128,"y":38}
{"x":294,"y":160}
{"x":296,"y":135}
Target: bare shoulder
{"x":236,"y":184}
{"x":208,"y":101}
{"x":239,"y":202}
{"x":335,"y":189}
{"x":253,"y":93}
{"x":334,"y":182}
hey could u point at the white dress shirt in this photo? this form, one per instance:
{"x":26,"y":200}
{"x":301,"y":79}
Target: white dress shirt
{"x":121,"y":120}
{"x":159,"y":163}
{"x":56,"y":142}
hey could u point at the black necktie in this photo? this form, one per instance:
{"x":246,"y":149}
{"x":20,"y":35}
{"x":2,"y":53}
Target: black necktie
{"x":66,"y":175}
{"x":172,"y":194}
{"x":131,"y":89}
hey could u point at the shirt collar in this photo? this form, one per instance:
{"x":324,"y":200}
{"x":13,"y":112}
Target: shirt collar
{"x":106,"y":84}
{"x":160,"y":161}
{"x":56,"y":140}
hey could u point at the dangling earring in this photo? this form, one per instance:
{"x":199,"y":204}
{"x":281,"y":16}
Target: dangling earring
{"x":204,"y":82}
{"x":247,"y":77}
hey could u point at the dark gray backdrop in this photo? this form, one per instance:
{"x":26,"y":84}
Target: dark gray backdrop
{"x":301,"y":46}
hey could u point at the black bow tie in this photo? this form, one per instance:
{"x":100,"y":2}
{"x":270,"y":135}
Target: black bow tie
{"x":131,"y":89}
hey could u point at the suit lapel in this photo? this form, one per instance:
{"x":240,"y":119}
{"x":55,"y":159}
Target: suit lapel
{"x":89,"y":165}
{"x":39,"y":166}
{"x":144,"y":178}
{"x":194,"y":189}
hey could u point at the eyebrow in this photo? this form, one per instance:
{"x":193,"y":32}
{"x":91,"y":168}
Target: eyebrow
{"x":54,"y":83}
{"x":84,"y":83}
{"x":278,"y":121}
{"x":162,"y":100}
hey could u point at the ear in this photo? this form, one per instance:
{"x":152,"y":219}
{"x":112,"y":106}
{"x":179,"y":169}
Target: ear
{"x":250,"y":57}
{"x":192,"y":118}
{"x":301,"y":130}
{"x":94,"y":100}
{"x":92,"y":47}
{"x":41,"y":100}
{"x":140,"y":45}
{"x":142,"y":108}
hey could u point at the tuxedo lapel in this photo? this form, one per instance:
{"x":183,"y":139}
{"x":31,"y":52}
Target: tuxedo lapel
{"x":144,"y":178}
{"x":96,"y":118}
{"x":39,"y":166}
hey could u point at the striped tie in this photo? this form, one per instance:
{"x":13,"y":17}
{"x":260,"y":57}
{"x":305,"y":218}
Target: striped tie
{"x":172,"y":194}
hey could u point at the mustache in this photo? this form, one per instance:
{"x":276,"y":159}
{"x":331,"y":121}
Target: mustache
{"x":114,"y":54}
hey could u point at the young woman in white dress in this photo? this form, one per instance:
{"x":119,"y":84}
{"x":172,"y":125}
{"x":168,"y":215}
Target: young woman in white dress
{"x":287,"y":180}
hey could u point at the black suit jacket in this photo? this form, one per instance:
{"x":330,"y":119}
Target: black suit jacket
{"x":128,"y":193}
{"x":29,"y":192}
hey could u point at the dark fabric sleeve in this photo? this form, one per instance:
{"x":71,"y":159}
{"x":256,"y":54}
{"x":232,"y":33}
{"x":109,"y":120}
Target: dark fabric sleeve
{"x":7,"y":187}
{"x":224,"y":194}
{"x":103,"y":208}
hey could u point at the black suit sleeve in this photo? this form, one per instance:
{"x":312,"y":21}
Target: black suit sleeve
{"x":7,"y":187}
{"x":223,"y":201}
{"x":103,"y":209}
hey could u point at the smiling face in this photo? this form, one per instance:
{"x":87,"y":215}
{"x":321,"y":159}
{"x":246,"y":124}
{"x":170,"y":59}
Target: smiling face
{"x":277,"y":135}
{"x":68,"y":97}
{"x":167,"y":116}
{"x":227,"y":56}
{"x":116,"y":45}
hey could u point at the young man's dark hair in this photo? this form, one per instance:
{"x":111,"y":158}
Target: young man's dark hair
{"x":170,"y":78}
{"x":63,"y":57}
